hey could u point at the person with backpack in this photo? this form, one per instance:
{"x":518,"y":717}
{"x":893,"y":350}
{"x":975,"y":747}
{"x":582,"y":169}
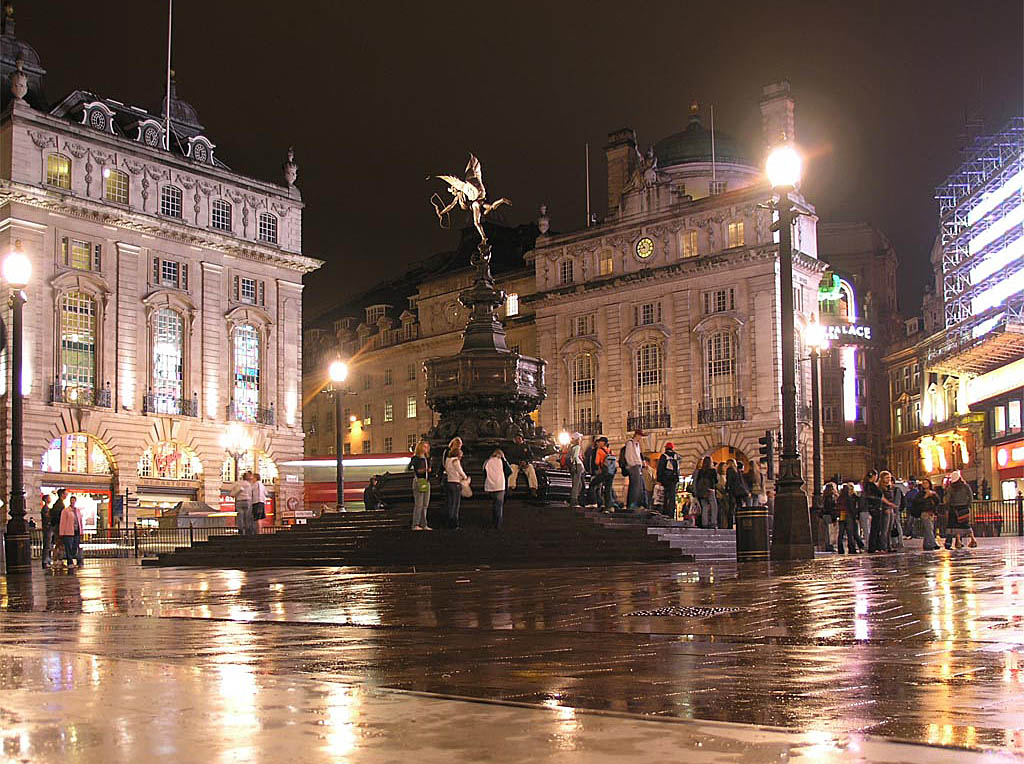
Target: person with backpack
{"x":705,"y":482}
{"x":846,"y":506}
{"x":668,"y":478}
{"x":633,"y":462}
{"x":589,"y":454}
{"x":606,"y":465}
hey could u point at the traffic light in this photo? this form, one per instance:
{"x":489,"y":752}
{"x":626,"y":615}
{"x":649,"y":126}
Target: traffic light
{"x":767,"y":449}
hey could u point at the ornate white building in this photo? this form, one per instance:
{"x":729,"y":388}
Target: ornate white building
{"x":166,"y":295}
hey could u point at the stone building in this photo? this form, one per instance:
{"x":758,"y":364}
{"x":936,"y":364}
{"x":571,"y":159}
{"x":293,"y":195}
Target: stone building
{"x":166,"y":294}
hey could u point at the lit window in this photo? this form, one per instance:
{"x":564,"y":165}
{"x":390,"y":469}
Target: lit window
{"x":999,"y":420}
{"x":389,"y":412}
{"x":512,"y":305}
{"x":367,"y":414}
{"x":689,"y":244}
{"x":169,"y":460}
{"x":267,"y":230}
{"x":716,"y":187}
{"x":58,"y":171}
{"x":366,"y":447}
{"x":115,"y":186}
{"x":565,"y":274}
{"x":736,"y":234}
{"x":898,"y":419}
{"x":649,"y":377}
{"x":81,"y":255}
{"x":1013,"y":416}
{"x":168,"y":361}
{"x":76,"y":452}
{"x":607,"y":265}
{"x":77,"y":347}
{"x":410,"y":407}
{"x":411,"y":441}
{"x":247,"y":372}
{"x":720,"y":386}
{"x":170,"y":201}
{"x":220,"y":215}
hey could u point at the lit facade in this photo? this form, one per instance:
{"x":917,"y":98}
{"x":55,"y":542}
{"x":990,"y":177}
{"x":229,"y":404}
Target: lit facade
{"x":166,"y":293}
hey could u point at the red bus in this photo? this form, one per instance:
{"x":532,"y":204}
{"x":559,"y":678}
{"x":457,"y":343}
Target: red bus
{"x":319,"y":477}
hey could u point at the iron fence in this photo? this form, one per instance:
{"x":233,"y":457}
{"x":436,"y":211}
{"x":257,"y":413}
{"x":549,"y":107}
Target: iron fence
{"x":656,"y":421}
{"x":712,"y":414}
{"x":135,"y":541}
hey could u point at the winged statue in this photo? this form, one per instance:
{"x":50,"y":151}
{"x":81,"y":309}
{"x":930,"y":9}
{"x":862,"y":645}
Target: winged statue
{"x":468,"y":194}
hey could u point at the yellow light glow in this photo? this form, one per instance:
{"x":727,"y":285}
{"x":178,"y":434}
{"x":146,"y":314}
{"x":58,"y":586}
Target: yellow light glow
{"x":338,"y":371}
{"x":783,"y":166}
{"x":564,"y":438}
{"x":995,"y":382}
{"x":17,"y":269}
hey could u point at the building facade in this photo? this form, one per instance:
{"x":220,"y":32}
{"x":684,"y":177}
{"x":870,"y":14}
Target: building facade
{"x":166,"y":294}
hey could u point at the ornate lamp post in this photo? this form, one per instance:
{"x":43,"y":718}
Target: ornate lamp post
{"x":17,"y":270}
{"x":338,"y":372}
{"x":236,"y":442}
{"x":816,"y":340}
{"x":791,"y":533}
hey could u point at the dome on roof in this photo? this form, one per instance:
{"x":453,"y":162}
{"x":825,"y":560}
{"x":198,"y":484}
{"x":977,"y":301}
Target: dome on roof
{"x":694,"y":145}
{"x":182,"y":112}
{"x":14,"y":49}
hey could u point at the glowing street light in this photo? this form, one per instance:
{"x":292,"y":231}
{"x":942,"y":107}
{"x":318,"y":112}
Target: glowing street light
{"x":236,"y":442}
{"x":564,"y":438}
{"x":783,"y":166}
{"x":338,"y":371}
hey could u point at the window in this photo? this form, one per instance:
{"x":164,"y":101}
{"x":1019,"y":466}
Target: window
{"x":389,"y":412}
{"x":512,"y":305}
{"x":267,"y":229}
{"x":246,"y":372}
{"x":347,"y":449}
{"x":798,"y":299}
{"x":247,"y":290}
{"x":115,"y":186}
{"x":170,"y":273}
{"x":915,"y":417}
{"x":387,"y":376}
{"x":828,"y":414}
{"x":58,"y":171}
{"x":367,"y":447}
{"x":374,"y":313}
{"x":77,"y":347}
{"x":898,"y":420}
{"x":646,"y":314}
{"x":689,"y":244}
{"x":720,"y":300}
{"x":716,"y":187}
{"x":916,"y":376}
{"x":606,"y":266}
{"x":170,"y":201}
{"x":410,"y":373}
{"x":736,"y":234}
{"x":583,"y":375}
{"x":582,"y":326}
{"x":367,"y":381}
{"x":168,"y":460}
{"x":906,"y":379}
{"x":81,"y":255}
{"x":514,"y":348}
{"x":389,"y":444}
{"x":220,"y":215}
{"x":720,"y":386}
{"x":999,"y":420}
{"x":410,"y":407}
{"x":410,"y":442}
{"x":1013,"y":416}
{"x":168,"y":361}
{"x":649,"y":376}
{"x":367,"y":414}
{"x":565,"y":275}
{"x":76,"y":452}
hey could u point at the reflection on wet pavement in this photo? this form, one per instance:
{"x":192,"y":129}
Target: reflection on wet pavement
{"x":919,"y":647}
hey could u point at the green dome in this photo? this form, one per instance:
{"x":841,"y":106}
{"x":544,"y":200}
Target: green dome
{"x":694,"y":145}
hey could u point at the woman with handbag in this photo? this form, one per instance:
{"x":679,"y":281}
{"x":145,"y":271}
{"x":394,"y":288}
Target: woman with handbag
{"x":925,"y":508}
{"x":455,"y":480}
{"x":420,"y":466}
{"x":958,"y":497}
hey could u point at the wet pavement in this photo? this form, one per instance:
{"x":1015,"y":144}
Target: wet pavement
{"x":824,"y":660}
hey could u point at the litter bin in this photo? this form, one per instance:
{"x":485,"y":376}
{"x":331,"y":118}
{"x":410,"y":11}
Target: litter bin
{"x":751,"y":534}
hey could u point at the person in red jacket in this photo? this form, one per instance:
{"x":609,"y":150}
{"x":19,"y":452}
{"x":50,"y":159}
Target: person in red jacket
{"x":70,"y":531}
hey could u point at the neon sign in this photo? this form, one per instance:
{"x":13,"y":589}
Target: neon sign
{"x":848,"y":334}
{"x":830,"y":288}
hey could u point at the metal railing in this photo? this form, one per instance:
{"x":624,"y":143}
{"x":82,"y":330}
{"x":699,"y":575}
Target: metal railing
{"x":155,"y":403}
{"x":81,"y":396}
{"x":659,"y":421}
{"x":135,"y":541}
{"x":237,"y":412}
{"x":712,"y":414}
{"x":587,"y":427}
{"x":997,"y":517}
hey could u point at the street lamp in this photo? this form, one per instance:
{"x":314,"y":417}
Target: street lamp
{"x":814,"y":336}
{"x":564,"y":438}
{"x":236,"y":442}
{"x":17,"y":270}
{"x":791,"y":530}
{"x":338,"y":372}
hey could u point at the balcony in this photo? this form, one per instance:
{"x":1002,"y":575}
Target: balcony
{"x":155,"y":403}
{"x":81,"y":396}
{"x":661,"y":420}
{"x":240,"y":412}
{"x":715,"y":414}
{"x":587,"y":427}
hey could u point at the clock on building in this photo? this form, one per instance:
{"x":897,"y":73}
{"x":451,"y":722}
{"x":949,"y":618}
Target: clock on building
{"x":98,"y":119}
{"x":645,"y":248}
{"x":199,"y":152}
{"x":151,"y":136}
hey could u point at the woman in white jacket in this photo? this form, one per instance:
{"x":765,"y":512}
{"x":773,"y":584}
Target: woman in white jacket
{"x":455,"y":477}
{"x":496,"y":472}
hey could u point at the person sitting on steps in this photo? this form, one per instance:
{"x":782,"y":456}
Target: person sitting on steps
{"x":520,"y":459}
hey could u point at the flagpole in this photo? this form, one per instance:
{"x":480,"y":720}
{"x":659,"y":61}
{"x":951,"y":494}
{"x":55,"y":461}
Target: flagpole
{"x":167,"y":107}
{"x":587,"y":155}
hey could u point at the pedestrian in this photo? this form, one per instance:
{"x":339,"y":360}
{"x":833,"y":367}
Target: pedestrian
{"x":925,"y":508}
{"x":892,"y":503}
{"x":55,"y":512}
{"x":602,"y":480}
{"x":420,"y":467}
{"x":48,"y":531}
{"x":242,"y":492}
{"x":590,"y":470}
{"x":871,"y":503}
{"x":455,"y":476}
{"x":574,"y":461}
{"x":846,"y":506}
{"x":371,"y":495}
{"x":634,"y":460}
{"x":259,"y":501}
{"x":755,"y":484}
{"x":739,"y":494}
{"x":705,"y":482}
{"x":668,"y":477}
{"x":70,"y":530}
{"x":648,"y":481}
{"x":958,"y":499}
{"x":496,"y":474}
{"x":913,"y":529}
{"x":520,"y":457}
{"x":830,"y":516}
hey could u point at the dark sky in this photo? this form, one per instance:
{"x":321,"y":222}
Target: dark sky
{"x":375,"y":96}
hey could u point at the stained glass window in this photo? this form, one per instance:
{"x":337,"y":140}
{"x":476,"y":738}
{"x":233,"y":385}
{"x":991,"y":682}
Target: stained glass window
{"x":247,"y":372}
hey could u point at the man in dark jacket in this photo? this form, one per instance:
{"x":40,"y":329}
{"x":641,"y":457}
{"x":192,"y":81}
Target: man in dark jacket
{"x":371,"y":495}
{"x":48,"y":531}
{"x":668,"y":476}
{"x":521,"y":460}
{"x":55,"y":510}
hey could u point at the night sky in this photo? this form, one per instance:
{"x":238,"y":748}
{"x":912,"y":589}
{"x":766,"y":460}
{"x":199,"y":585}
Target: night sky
{"x":375,"y":96}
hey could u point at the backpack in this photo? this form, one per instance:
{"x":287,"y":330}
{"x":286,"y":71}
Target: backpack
{"x":588,"y":459}
{"x":611,"y":464}
{"x":563,"y":459}
{"x":622,"y":461}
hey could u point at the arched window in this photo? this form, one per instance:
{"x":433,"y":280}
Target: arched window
{"x":720,"y":384}
{"x":169,"y":460}
{"x":58,"y":171}
{"x":650,"y":375}
{"x":584,"y":402}
{"x":168,"y":362}
{"x":220,"y":215}
{"x":246,"y":373}
{"x":170,"y":201}
{"x":115,"y":186}
{"x":267,"y":229}
{"x":77,"y":327}
{"x":77,"y":452}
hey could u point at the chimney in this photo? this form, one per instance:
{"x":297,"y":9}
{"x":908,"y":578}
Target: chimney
{"x":620,"y":155}
{"x":777,"y":122}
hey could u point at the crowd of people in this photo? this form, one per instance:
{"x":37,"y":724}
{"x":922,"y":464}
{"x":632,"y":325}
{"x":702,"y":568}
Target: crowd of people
{"x":872,"y":518}
{"x":250,"y":497}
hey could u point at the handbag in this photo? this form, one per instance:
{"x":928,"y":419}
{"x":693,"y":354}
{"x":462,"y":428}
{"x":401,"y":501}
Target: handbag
{"x":963,"y":514}
{"x":467,"y":491}
{"x":422,"y":485}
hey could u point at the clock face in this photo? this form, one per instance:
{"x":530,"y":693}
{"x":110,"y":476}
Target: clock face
{"x":645,"y":248}
{"x":199,"y":152}
{"x":98,"y":119}
{"x":151,"y":136}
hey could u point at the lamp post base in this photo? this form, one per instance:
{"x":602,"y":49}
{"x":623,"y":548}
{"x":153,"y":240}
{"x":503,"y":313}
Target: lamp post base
{"x":18,"y":553}
{"x":791,"y":527}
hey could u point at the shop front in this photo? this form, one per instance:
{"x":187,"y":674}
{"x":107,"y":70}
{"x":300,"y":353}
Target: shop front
{"x":82,"y":464}
{"x":169,"y":473}
{"x":1009,"y":469}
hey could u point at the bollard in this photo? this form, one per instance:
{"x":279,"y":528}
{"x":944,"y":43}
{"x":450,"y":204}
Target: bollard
{"x":1020,"y":515}
{"x":751,"y":534}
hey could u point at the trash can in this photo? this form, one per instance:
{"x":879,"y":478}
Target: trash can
{"x":751,"y":534}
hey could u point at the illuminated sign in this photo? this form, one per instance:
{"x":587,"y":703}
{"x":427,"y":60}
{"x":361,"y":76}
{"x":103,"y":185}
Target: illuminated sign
{"x":1010,"y":455}
{"x":848,"y":334}
{"x":830,"y":287}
